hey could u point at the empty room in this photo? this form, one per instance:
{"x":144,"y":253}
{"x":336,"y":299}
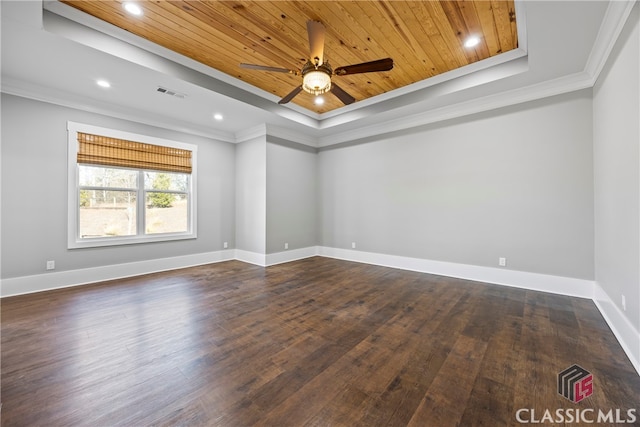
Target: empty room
{"x":320,"y":213}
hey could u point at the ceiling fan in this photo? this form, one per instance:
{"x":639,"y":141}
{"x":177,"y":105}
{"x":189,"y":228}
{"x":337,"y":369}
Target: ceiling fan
{"x":316,"y":72}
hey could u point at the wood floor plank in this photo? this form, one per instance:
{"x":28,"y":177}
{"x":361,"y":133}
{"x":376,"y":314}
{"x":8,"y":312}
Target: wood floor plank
{"x":313,"y":342}
{"x":452,"y":386}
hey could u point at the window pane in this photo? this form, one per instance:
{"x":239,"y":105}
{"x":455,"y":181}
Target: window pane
{"x":105,"y":213}
{"x":166,"y":212}
{"x":166,"y":181}
{"x":97,"y":176}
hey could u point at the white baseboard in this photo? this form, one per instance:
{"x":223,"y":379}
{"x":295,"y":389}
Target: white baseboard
{"x":65,"y":279}
{"x":539,"y":282}
{"x":251,"y":257}
{"x":265,"y":260}
{"x":625,"y":333}
{"x":623,"y":329}
{"x":500,"y":276}
{"x":291,"y":255}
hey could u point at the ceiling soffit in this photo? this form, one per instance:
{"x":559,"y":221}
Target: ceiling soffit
{"x":425,"y":38}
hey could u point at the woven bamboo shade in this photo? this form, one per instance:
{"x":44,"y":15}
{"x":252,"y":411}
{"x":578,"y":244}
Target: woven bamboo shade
{"x":105,"y":151}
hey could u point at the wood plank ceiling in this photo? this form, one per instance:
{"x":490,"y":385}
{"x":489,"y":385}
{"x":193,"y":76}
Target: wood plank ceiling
{"x":424,"y":38}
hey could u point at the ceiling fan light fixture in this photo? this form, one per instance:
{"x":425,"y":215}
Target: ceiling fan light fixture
{"x":316,"y":82}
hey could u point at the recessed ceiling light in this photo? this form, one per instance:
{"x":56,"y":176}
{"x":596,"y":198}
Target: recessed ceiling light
{"x":218,"y":116}
{"x":471,"y":41}
{"x":103,"y":83}
{"x":132,"y":8}
{"x":319,"y":100}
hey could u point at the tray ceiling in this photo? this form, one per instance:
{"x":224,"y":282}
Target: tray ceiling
{"x":424,"y":38}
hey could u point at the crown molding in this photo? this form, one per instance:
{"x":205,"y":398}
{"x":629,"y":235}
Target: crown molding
{"x":566,"y":84}
{"x":251,"y":133}
{"x":545,"y":89}
{"x":65,"y":21}
{"x":613,"y":22}
{"x":90,"y":31}
{"x":64,"y":99}
{"x":267,"y":129}
{"x":292,"y":135}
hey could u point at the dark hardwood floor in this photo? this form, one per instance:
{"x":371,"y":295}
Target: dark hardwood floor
{"x":317,"y":342}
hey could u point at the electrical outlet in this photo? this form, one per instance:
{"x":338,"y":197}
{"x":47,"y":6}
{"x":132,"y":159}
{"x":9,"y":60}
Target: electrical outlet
{"x":624,"y":303}
{"x":51,"y":265}
{"x":353,"y":245}
{"x":225,"y":245}
{"x":286,"y":246}
{"x":502,"y":262}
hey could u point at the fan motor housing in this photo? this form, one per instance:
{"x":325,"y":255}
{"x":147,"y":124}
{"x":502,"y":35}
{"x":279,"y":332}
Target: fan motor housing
{"x":322,"y":81}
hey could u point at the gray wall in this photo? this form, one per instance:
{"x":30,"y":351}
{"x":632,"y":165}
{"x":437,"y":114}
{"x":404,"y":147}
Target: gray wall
{"x":251,"y":195}
{"x":514,"y":183}
{"x":496,"y":184}
{"x":34,"y":192}
{"x":616,"y":110}
{"x":291,"y":195}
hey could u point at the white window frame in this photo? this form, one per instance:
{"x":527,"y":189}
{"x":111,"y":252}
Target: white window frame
{"x":74,"y":241}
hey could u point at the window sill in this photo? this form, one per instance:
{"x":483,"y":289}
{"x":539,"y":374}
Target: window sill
{"x":128,"y":240}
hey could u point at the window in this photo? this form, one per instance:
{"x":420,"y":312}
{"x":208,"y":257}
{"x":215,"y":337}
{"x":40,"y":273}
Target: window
{"x":127,"y":188}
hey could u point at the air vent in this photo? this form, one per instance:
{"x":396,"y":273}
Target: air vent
{"x":170,"y":92}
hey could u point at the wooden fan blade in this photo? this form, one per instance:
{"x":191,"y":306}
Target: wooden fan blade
{"x":291,"y":95}
{"x":366,"y":67}
{"x":341,"y":94}
{"x":316,"y":32}
{"x":266,"y":68}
